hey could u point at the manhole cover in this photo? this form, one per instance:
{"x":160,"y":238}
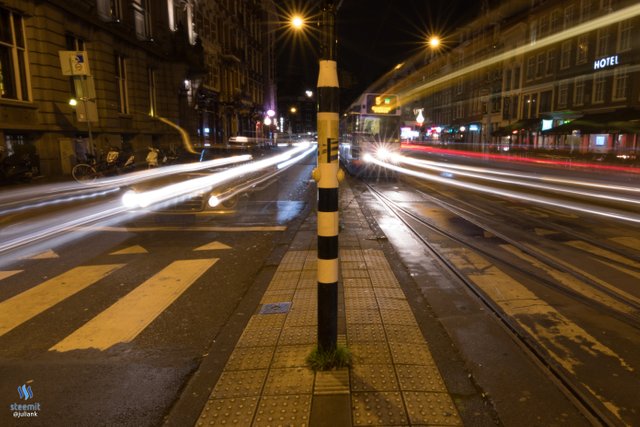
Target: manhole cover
{"x":276,"y":308}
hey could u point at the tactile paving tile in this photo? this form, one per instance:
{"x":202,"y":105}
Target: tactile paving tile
{"x":349,"y":273}
{"x":378,"y":408}
{"x":357,"y":282}
{"x":250,"y":358}
{"x":410,"y":354}
{"x":351,"y":255}
{"x":283,"y":411}
{"x":363,"y":353}
{"x":275,"y":320}
{"x":298,"y":335}
{"x":363,"y":316}
{"x":292,"y":260}
{"x":259,"y":337}
{"x":431,"y":409}
{"x":390,"y":293}
{"x":271,"y":297}
{"x":235,"y":411}
{"x":394,"y":304}
{"x":359,"y":332}
{"x":285,"y":278}
{"x":291,"y":356}
{"x":373,"y":378}
{"x":304,"y":284}
{"x":309,"y":275}
{"x":301,"y":317}
{"x":353,"y":265}
{"x":297,"y":380}
{"x":420,"y":378}
{"x":402,"y":334}
{"x":239,"y":384}
{"x":311,"y":265}
{"x":383,"y":278}
{"x":305,"y":294}
{"x":398,"y":317}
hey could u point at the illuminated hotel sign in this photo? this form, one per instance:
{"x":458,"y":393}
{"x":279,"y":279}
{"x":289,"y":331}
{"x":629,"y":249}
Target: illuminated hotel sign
{"x":609,"y":61}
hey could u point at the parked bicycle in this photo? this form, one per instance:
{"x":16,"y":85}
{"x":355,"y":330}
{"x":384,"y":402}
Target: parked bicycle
{"x":114,"y":164}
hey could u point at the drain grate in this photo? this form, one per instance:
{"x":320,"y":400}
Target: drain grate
{"x":275,"y":308}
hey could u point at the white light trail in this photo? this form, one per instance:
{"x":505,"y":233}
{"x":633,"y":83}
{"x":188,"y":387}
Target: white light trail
{"x":509,"y":194}
{"x":460,"y":170}
{"x":206,"y":183}
{"x":37,"y":197}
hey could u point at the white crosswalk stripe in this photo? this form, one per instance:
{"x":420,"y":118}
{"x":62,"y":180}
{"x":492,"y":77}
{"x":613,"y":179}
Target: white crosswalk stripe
{"x":8,"y":273}
{"x":30,"y":303}
{"x":130,"y":315}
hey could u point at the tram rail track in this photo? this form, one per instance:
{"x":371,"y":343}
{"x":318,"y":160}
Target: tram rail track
{"x":583,"y":398}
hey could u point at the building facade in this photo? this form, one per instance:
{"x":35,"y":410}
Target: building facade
{"x":537,"y":74}
{"x":200,"y":65}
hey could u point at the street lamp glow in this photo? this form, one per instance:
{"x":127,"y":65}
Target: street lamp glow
{"x":309,"y":93}
{"x":73,"y":102}
{"x":434,"y":42}
{"x":293,"y":110}
{"x":297,"y":22}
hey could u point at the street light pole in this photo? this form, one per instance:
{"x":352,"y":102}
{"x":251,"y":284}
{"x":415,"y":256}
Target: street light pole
{"x":326,"y":175}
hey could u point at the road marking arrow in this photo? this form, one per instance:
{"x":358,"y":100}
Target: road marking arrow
{"x":212,"y":246}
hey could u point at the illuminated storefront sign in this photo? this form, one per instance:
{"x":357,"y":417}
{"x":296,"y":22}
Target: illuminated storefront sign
{"x":609,"y":61}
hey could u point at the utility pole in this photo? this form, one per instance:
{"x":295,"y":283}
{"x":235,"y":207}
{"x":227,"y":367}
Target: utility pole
{"x":327,"y":177}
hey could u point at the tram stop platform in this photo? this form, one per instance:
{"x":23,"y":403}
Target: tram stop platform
{"x":392,"y":380}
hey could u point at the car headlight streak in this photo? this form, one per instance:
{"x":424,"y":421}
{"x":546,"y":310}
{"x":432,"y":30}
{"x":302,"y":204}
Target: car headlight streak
{"x":194,"y":186}
{"x":564,"y":204}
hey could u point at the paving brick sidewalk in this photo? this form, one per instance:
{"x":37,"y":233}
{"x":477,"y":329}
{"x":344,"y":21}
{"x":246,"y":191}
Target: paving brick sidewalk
{"x":393,"y":379}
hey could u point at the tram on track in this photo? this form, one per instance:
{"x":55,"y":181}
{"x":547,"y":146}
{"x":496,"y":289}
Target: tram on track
{"x":370,"y":125}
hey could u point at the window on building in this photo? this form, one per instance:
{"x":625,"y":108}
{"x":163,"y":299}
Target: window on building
{"x":556,"y":20}
{"x":602,"y":43}
{"x":565,"y":55}
{"x":151,"y":78}
{"x":585,"y":10}
{"x":121,"y":77}
{"x":578,"y":92}
{"x":459,"y":86}
{"x":582,"y":49}
{"x":569,"y":13}
{"x":543,"y":26}
{"x":598,"y":87}
{"x":109,"y":10}
{"x":605,"y":5}
{"x":563,"y":94}
{"x":531,"y":68}
{"x":545,"y":101}
{"x":620,"y":79}
{"x":14,"y":82}
{"x":142,"y":19}
{"x":533,"y":32}
{"x":551,"y":62}
{"x":516,"y":78}
{"x":624,"y":35}
{"x":540,"y":64}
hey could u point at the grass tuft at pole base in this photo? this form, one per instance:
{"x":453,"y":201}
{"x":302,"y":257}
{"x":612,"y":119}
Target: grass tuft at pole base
{"x":320,"y":360}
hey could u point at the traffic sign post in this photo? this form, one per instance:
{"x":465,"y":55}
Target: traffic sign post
{"x":75,"y":63}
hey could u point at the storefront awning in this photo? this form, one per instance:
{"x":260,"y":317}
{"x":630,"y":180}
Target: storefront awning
{"x":620,"y":121}
{"x":525,"y":125}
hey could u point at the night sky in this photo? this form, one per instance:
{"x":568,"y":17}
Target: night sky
{"x":373,"y":36}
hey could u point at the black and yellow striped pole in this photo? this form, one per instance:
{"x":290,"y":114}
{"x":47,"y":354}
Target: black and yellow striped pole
{"x":326,"y":175}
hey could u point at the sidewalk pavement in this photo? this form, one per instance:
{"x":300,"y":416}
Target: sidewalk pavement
{"x":393,"y":379}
